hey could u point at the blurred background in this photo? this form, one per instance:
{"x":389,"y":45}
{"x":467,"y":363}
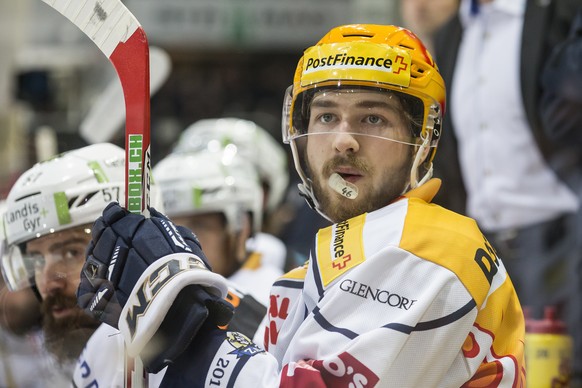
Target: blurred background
{"x":226,"y":58}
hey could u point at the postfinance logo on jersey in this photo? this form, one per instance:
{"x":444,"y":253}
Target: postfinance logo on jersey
{"x":339,"y":248}
{"x":356,"y":61}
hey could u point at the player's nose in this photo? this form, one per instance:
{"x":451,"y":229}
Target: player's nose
{"x":345,"y":139}
{"x":53,"y":276}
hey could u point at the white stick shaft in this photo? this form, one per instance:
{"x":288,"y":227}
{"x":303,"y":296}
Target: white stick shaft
{"x":106,"y":22}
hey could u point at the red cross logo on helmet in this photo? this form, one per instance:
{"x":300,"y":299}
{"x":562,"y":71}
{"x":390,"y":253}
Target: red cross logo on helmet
{"x":401,"y":65}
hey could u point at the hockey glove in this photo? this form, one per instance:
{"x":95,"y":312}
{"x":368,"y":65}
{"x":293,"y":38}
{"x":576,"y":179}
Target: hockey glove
{"x":157,"y":276}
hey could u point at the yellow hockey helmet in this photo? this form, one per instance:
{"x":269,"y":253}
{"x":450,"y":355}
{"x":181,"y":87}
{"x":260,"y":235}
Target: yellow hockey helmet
{"x":375,"y":57}
{"x":366,"y":55}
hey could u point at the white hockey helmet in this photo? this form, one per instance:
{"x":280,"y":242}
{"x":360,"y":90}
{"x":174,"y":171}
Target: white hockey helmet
{"x":210,"y":181}
{"x":65,"y":192}
{"x":252,"y":141}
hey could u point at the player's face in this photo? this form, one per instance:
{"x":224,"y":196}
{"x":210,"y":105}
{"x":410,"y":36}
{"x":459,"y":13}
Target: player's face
{"x":378,"y":167}
{"x":217,"y":242}
{"x":58,"y":259}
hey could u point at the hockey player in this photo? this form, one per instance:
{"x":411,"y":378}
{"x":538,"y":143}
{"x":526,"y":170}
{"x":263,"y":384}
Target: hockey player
{"x":217,"y":194}
{"x":252,"y":142}
{"x":49,"y":212}
{"x":398,"y":291}
{"x":269,"y":159}
{"x":21,"y":347}
{"x":48,"y":219}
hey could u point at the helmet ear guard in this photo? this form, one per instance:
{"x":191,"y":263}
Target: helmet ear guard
{"x":17,"y":273}
{"x":286,"y":121}
{"x":427,"y":150}
{"x":421,"y":154}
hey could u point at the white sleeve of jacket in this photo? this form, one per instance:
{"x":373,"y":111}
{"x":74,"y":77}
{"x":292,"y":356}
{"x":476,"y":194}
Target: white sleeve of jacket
{"x":101,"y":364}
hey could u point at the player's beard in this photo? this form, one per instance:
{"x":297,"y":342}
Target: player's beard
{"x":339,"y":208}
{"x":66,"y":337}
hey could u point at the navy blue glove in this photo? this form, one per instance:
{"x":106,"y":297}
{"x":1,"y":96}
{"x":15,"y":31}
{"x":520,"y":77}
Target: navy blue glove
{"x":126,"y":249}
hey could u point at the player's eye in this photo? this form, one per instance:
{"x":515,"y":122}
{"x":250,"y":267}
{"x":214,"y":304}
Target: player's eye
{"x":326,"y":118}
{"x":37,"y":262}
{"x":373,"y":119}
{"x":73,"y":253}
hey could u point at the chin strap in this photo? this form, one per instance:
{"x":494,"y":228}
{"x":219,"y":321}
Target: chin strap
{"x":414,"y":182}
{"x":307,"y":193}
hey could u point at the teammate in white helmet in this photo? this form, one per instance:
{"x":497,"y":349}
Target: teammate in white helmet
{"x":398,"y":291}
{"x":21,"y":346}
{"x":253,"y":143}
{"x":49,"y":213}
{"x":269,"y":159}
{"x":217,"y":194}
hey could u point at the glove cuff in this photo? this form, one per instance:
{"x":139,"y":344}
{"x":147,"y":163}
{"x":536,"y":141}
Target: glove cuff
{"x":155,"y":291}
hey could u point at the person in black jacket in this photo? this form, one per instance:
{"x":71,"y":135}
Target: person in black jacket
{"x":498,"y":162}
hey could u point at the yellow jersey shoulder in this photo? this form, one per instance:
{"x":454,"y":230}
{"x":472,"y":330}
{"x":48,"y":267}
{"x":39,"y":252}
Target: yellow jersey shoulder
{"x":453,"y":241}
{"x":297,"y":273}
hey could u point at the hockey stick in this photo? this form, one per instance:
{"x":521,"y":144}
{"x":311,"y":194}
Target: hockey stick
{"x":107,"y":114}
{"x":121,"y":38}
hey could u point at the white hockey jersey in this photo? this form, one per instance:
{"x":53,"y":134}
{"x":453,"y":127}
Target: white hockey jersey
{"x":101,"y":363}
{"x":410,"y":295}
{"x":263,"y":266}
